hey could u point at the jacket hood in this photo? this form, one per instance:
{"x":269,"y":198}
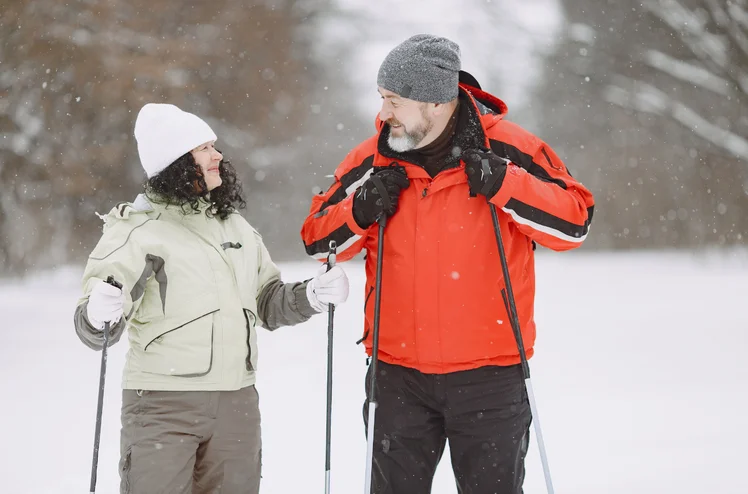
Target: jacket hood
{"x":141,"y":207}
{"x":124,"y":210}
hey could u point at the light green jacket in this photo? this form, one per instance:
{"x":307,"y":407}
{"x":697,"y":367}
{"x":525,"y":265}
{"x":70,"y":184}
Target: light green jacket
{"x":195,"y":289}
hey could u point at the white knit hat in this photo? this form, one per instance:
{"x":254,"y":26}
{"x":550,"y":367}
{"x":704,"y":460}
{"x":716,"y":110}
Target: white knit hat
{"x":164,"y":133}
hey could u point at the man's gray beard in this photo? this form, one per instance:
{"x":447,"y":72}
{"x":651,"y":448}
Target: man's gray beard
{"x":410,"y":140}
{"x":402,"y":144}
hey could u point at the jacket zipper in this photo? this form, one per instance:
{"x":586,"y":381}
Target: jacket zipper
{"x":366,"y":302}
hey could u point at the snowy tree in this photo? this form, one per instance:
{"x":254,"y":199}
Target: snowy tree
{"x":649,"y":99}
{"x":716,"y":63}
{"x":73,"y":76}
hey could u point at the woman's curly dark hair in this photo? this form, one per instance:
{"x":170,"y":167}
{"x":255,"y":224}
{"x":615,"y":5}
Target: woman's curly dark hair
{"x":182,"y":184}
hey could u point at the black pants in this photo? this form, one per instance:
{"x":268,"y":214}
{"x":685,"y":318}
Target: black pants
{"x":484,"y":413}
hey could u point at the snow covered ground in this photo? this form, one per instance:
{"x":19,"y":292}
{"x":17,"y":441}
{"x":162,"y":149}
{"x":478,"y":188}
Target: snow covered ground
{"x":640,"y":376}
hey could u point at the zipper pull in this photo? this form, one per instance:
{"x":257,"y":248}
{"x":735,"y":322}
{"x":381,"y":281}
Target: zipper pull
{"x":425,"y":191}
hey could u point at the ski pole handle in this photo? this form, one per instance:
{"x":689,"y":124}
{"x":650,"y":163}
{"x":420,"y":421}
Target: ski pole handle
{"x":110,"y":279}
{"x":332,"y":254}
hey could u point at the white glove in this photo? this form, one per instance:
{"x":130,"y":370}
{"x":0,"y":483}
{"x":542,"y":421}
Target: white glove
{"x":328,"y":287}
{"x":106,"y":303}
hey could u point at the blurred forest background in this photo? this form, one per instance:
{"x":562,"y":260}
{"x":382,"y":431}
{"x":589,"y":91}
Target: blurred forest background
{"x":646,"y":101}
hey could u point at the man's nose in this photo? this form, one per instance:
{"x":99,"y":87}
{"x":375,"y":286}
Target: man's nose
{"x":385,"y":113}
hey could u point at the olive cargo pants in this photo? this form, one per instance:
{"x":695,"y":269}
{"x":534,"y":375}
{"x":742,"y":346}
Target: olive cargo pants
{"x":190,"y":442}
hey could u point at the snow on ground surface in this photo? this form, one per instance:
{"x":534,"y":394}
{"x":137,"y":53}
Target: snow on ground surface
{"x":640,"y":377}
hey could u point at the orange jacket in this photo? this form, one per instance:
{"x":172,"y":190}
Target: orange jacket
{"x":442,"y":309}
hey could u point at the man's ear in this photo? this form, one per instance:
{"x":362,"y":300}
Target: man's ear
{"x":438,"y":108}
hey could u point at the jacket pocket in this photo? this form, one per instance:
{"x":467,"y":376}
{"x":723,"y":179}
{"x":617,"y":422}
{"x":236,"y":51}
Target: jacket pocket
{"x":251,"y":319}
{"x":124,"y":471}
{"x":185,"y":350}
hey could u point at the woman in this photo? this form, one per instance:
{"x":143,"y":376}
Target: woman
{"x":196,"y":280}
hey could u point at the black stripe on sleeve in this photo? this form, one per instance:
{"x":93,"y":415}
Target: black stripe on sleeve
{"x":525,"y":161}
{"x":548,"y":220}
{"x":351,"y":177}
{"x":340,"y":235}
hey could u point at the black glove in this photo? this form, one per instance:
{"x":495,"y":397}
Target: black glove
{"x":485,"y":171}
{"x":369,"y":202}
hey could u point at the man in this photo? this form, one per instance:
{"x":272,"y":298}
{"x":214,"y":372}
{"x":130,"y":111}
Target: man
{"x":448,"y":360}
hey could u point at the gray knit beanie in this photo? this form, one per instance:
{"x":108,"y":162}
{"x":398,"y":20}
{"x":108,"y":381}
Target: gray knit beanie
{"x":422,"y":68}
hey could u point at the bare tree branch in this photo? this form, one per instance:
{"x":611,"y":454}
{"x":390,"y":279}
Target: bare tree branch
{"x":713,"y":50}
{"x":721,"y":18}
{"x":688,"y":72}
{"x":642,"y":97}
{"x":736,"y":35}
{"x":708,"y":47}
{"x":738,"y":14}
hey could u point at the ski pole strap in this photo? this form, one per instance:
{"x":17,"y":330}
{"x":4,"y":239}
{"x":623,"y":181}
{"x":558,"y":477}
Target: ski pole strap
{"x":386,"y":202}
{"x":491,"y":180}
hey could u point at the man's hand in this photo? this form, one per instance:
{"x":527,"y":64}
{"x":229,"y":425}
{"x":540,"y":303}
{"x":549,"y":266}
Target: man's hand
{"x":485,"y":171}
{"x":369,"y":203}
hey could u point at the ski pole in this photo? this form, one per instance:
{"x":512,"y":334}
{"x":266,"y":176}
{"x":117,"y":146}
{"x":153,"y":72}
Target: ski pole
{"x":331,"y":257}
{"x":509,"y":302}
{"x":374,"y":356}
{"x":100,"y":405}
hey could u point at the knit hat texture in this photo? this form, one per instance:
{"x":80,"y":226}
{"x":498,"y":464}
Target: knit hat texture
{"x":164,"y":133}
{"x":422,"y":68}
